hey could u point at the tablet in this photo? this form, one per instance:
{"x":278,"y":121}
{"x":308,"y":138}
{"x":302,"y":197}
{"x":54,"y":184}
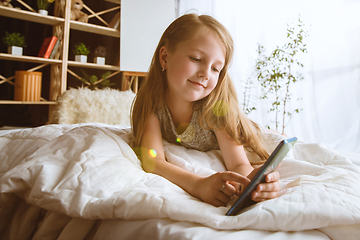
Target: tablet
{"x":244,"y":200}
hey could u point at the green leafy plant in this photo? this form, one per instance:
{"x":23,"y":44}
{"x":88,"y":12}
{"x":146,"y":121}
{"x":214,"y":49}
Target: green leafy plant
{"x":14,"y":39}
{"x":249,"y":97}
{"x":100,"y":51}
{"x":278,"y":71}
{"x":44,"y":4}
{"x":92,"y":82}
{"x":81,"y":49}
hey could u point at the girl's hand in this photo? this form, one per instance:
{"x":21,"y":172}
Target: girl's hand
{"x":217,"y":189}
{"x":268,"y":190}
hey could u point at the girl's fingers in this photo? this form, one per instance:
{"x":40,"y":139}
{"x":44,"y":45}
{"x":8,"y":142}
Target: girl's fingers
{"x":219,"y":188}
{"x":266,"y":191}
{"x":272,"y":177}
{"x":232,"y":176}
{"x":262,"y":196}
{"x":268,"y":187}
{"x":237,"y":186}
{"x":225,"y":199}
{"x":228,"y":189}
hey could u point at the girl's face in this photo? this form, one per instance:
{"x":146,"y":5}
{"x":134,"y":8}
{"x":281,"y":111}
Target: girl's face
{"x":193,"y":69}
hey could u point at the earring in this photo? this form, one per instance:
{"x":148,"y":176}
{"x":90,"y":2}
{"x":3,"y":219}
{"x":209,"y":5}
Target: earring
{"x":162,"y":63}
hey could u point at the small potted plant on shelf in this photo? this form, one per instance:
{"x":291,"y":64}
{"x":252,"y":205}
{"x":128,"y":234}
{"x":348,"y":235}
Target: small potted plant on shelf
{"x":92,"y":82}
{"x":99,"y":54}
{"x":81,"y":51}
{"x":15,"y":43}
{"x":43,"y":6}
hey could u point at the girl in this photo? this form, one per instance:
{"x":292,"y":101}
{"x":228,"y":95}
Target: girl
{"x":188,"y":98}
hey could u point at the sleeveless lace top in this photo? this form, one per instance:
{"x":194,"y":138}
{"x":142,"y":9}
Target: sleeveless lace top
{"x":194,"y":136}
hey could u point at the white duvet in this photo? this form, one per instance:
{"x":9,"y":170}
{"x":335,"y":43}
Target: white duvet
{"x":89,"y":171}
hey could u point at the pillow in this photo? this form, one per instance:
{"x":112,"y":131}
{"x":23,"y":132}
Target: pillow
{"x":83,"y":105}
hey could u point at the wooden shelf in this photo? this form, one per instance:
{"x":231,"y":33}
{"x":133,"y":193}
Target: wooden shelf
{"x":93,"y":65}
{"x":92,"y":28}
{"x":53,"y":21}
{"x":30,"y":16}
{"x":28,"y":103}
{"x":114,"y":1}
{"x":32,"y":59}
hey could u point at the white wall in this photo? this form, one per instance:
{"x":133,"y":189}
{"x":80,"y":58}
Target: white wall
{"x":142,"y":24}
{"x":331,"y":90}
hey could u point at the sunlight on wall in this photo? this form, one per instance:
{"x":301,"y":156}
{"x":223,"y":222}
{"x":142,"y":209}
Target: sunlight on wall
{"x":330,"y":93}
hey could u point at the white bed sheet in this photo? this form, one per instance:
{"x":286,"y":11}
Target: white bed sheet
{"x":58,"y":226}
{"x":67,"y":225}
{"x":166,"y":229}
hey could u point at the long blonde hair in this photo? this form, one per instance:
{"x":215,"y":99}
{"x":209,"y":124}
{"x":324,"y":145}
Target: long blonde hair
{"x":220,"y":108}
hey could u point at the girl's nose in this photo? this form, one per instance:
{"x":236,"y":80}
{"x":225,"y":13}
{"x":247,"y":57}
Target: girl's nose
{"x":204,"y":73}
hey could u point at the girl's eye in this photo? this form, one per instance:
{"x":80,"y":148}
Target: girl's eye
{"x":195,"y":59}
{"x":215,"y":69}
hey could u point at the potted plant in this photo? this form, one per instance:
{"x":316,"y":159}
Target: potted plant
{"x":92,"y":82}
{"x":43,"y":6}
{"x":81,"y":51}
{"x":99,"y":54}
{"x":279,"y":70}
{"x":15,"y":43}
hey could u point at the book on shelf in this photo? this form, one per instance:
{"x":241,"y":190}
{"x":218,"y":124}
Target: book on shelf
{"x":47,"y":47}
{"x":55,"y":50}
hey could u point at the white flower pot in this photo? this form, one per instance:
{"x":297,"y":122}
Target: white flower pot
{"x":14,"y":50}
{"x":99,"y":60}
{"x":43,"y":12}
{"x":81,"y":58}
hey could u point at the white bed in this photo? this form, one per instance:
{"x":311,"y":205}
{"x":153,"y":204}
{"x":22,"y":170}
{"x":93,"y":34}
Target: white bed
{"x":83,"y":181}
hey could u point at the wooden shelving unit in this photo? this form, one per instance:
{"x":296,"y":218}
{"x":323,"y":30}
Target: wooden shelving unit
{"x":62,"y":26}
{"x":141,"y":25}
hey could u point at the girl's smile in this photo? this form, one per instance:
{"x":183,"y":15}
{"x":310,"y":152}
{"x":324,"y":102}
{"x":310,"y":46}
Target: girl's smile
{"x":197,"y":84}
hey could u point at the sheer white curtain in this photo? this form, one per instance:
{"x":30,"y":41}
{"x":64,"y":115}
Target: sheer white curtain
{"x":331,"y":90}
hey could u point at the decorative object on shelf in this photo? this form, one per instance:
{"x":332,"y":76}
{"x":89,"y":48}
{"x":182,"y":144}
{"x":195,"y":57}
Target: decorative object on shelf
{"x":99,"y":53}
{"x":92,"y":82}
{"x":43,"y":12}
{"x":55,"y":50}
{"x":14,"y":50}
{"x":76,"y":13}
{"x":280,"y":70}
{"x":81,"y":51}
{"x":47,"y":47}
{"x":27,"y":86}
{"x":43,"y":6}
{"x":15,"y":43}
{"x":6,"y":3}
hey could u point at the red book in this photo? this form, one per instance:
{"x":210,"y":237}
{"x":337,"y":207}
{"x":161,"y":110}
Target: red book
{"x":47,"y":47}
